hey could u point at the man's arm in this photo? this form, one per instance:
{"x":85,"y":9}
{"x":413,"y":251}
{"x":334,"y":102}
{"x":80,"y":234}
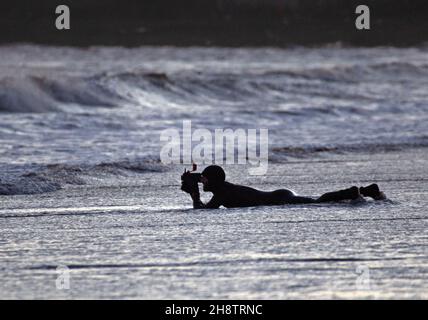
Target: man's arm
{"x":198,"y":204}
{"x":189,"y":184}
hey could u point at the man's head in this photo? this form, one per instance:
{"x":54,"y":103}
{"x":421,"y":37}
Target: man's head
{"x":212,"y":177}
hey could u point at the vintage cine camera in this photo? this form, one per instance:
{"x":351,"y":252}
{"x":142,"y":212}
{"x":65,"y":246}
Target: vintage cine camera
{"x":190,"y":179}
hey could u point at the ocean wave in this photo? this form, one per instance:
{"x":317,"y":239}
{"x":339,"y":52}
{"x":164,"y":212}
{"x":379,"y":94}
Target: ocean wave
{"x":57,"y":176}
{"x":37,"y":93}
{"x":268,"y":85}
{"x":354,"y":72}
{"x":82,"y":91}
{"x":282,"y":154}
{"x":24,"y":95}
{"x":28,"y":185}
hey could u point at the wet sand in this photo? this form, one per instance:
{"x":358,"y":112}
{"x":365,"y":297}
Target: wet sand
{"x":138,"y":238}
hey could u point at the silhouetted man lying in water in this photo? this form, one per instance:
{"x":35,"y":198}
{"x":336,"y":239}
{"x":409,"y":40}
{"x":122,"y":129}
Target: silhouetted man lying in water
{"x":231,"y":195}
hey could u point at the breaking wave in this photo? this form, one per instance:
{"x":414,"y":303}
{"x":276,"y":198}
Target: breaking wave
{"x":38,"y":95}
{"x":56,"y":176}
{"x":34,"y":94}
{"x":282,"y":154}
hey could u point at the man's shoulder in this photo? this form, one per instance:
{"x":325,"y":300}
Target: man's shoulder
{"x":233,"y":186}
{"x":228,"y":185}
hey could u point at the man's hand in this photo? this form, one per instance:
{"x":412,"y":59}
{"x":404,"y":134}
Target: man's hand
{"x":189,"y":182}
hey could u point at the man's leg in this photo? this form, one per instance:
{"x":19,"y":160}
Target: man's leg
{"x":300,"y":200}
{"x":346,"y":194}
{"x":284,"y":196}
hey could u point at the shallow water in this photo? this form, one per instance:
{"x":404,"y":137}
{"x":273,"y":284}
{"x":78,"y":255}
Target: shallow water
{"x":140,"y":239}
{"x":82,"y":185}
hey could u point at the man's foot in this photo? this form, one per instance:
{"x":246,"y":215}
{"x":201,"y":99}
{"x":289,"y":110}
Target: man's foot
{"x":372,"y":191}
